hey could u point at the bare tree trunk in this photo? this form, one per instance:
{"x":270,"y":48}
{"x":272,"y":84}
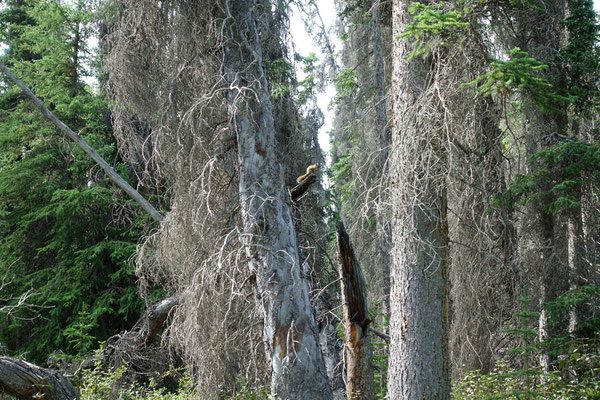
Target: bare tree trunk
{"x":359,"y":356}
{"x":419,"y":361}
{"x":540,"y":34}
{"x":290,"y":332}
{"x":484,"y":270}
{"x":384,"y":220}
{"x":27,"y":381}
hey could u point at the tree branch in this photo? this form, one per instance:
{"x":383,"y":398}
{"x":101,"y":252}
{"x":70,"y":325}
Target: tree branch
{"x":112,"y":174}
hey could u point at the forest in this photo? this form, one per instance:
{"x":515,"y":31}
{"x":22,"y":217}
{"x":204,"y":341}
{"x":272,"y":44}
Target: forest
{"x":170,"y":227}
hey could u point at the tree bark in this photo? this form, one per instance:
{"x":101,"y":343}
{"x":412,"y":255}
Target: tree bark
{"x":540,"y":34}
{"x":290,"y":331}
{"x":419,"y":361}
{"x":380,"y":97}
{"x":359,"y":356}
{"x":27,"y":381}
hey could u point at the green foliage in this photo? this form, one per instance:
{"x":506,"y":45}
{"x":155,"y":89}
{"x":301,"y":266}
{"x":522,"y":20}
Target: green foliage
{"x":504,"y":383}
{"x":281,"y":77}
{"x":346,"y":84}
{"x":343,"y":179}
{"x":66,"y":234}
{"x":581,"y":56}
{"x":584,"y":302}
{"x":577,"y":369}
{"x":522,"y":74}
{"x":563,"y":170}
{"x":380,"y":322}
{"x":78,"y":333}
{"x":355,"y":11}
{"x":527,"y":350}
{"x":283,"y":82}
{"x":431,"y":21}
{"x":307,"y":86}
{"x":98,"y":384}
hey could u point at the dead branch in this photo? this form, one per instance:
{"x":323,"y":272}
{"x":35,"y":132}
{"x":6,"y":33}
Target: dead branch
{"x":303,"y":186}
{"x":112,"y":174}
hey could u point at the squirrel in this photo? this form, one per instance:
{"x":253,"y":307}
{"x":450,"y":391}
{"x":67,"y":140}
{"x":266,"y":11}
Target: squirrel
{"x":309,"y":170}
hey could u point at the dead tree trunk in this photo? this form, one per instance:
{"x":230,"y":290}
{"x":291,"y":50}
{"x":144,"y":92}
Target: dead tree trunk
{"x":290,"y":330}
{"x":382,"y":121}
{"x":359,"y":356}
{"x":23,"y":380}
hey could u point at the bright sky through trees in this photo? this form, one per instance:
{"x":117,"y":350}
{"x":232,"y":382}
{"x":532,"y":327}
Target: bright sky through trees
{"x":304,"y":45}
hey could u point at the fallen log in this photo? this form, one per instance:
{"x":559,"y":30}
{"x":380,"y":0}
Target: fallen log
{"x":24,"y":380}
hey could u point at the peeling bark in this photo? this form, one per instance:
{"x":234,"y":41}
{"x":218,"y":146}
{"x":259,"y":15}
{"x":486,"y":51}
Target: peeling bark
{"x":290,"y":331}
{"x":27,"y":381}
{"x":359,"y":356}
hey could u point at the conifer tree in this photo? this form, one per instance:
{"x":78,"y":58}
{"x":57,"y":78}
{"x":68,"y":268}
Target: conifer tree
{"x":66,"y":234}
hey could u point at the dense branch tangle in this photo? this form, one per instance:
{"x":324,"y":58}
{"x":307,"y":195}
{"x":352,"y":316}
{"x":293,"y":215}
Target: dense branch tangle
{"x":194,"y":72}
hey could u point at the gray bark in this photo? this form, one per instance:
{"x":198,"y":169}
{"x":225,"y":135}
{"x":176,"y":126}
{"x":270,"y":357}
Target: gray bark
{"x":540,"y":34}
{"x":418,"y":362}
{"x":290,"y":331}
{"x":329,"y":340}
{"x":27,"y":381}
{"x":112,"y":174}
{"x":380,"y":97}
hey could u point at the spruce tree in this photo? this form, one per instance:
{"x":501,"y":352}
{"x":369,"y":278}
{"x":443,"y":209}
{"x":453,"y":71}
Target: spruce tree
{"x":66,"y":234}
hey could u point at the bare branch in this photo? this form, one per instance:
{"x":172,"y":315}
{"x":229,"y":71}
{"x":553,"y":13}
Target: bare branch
{"x":112,"y":174}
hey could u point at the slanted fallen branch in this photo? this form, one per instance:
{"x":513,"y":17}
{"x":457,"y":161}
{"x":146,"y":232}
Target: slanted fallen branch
{"x":112,"y":174}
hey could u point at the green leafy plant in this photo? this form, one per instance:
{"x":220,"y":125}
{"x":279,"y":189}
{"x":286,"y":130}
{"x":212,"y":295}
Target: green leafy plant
{"x":66,"y":233}
{"x":78,"y":333}
{"x":577,"y":367}
{"x":581,"y":55}
{"x":282,"y":79}
{"x":306,"y":87}
{"x":527,"y":350}
{"x":99,"y":384}
{"x":381,"y":322}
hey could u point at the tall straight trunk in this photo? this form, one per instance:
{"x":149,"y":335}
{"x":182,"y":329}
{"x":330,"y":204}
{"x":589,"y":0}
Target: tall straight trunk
{"x":380,"y":98}
{"x":577,"y":266}
{"x":541,"y":33}
{"x":418,"y":361}
{"x":290,"y":331}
